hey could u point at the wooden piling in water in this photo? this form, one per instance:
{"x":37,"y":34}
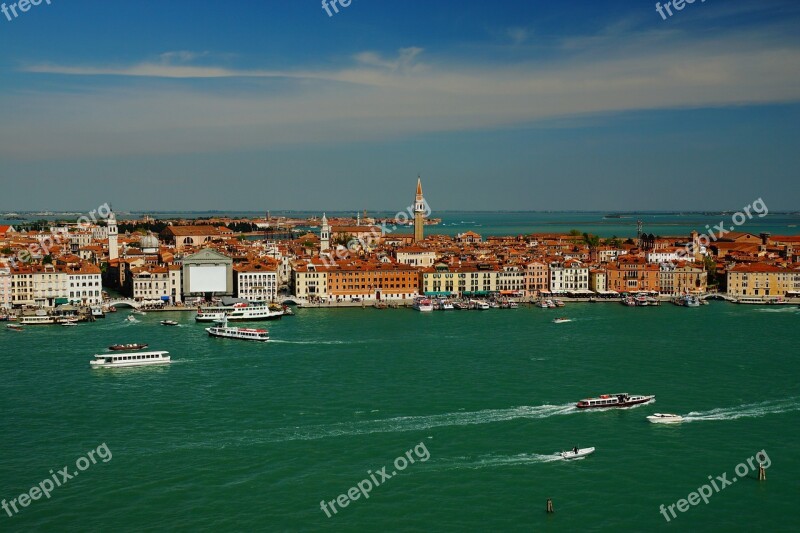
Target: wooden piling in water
{"x":550,"y":505}
{"x":762,"y":472}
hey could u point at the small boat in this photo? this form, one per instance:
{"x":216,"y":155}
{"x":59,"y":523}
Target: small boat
{"x":423,"y":304}
{"x":513,"y":305}
{"x":559,"y":303}
{"x":131,"y":318}
{"x":123,"y":347}
{"x":69,"y":324}
{"x":622,"y":399}
{"x":137,"y":312}
{"x":15,"y":327}
{"x":542,"y":304}
{"x":447,"y":306}
{"x":480,"y":305}
{"x":576,"y":453}
{"x":665,"y":418}
{"x":551,"y":304}
{"x":121,"y":360}
{"x":168,"y":323}
{"x":287,"y":311}
{"x":561,"y":320}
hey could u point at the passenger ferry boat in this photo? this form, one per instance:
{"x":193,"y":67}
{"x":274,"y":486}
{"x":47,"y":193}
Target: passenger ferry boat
{"x":245,"y":334}
{"x":613,"y":400}
{"x":122,"y":360}
{"x":37,"y":320}
{"x":240,"y":311}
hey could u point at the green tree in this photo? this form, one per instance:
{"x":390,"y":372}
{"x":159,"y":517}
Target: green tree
{"x":47,"y":260}
{"x":574,"y":233}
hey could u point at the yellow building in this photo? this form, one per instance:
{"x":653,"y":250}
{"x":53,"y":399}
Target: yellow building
{"x":760,"y":280}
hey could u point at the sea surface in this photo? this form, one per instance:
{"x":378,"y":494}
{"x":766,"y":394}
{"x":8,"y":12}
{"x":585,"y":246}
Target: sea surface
{"x":235,"y":436}
{"x":493,"y":223}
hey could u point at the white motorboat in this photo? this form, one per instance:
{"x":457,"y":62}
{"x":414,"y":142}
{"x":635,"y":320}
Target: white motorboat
{"x":561,"y":320}
{"x":168,"y":323}
{"x":69,"y":324}
{"x":542,"y":304}
{"x":480,"y":305}
{"x":130,"y":318}
{"x":665,"y":418}
{"x":424,"y":305}
{"x":121,"y":360}
{"x":576,"y":453}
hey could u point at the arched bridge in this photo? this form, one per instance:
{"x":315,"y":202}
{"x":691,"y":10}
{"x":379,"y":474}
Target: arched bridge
{"x":124,"y":302}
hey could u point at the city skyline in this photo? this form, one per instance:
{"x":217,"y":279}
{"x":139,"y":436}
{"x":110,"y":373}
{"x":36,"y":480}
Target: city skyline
{"x":594,"y":106}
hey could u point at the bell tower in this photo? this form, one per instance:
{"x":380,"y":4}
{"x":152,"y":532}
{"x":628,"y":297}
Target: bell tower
{"x":419,"y":213}
{"x":324,"y":235}
{"x":113,"y":250}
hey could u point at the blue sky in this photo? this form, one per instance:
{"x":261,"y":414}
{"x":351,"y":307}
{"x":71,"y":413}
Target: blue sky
{"x":256,"y":105}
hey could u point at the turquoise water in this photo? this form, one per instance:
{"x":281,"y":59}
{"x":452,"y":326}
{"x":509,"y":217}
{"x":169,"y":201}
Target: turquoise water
{"x":237,"y":436}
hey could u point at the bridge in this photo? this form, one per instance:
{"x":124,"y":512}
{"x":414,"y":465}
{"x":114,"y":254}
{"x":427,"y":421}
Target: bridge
{"x":718,"y":296}
{"x":124,"y":302}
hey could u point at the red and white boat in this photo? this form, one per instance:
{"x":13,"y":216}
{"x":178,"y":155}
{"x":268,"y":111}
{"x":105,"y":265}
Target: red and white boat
{"x":622,"y":399}
{"x":246,"y":334}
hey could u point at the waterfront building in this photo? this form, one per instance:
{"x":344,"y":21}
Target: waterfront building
{"x":5,"y":286}
{"x":537,"y":278}
{"x":598,"y":280}
{"x":761,"y":279}
{"x":468,"y":279}
{"x":85,"y":283}
{"x":419,"y":213}
{"x":679,"y":277}
{"x":149,"y":283}
{"x":257,"y":281}
{"x":632,"y":274}
{"x":310,"y":280}
{"x":371,"y":280}
{"x":206,"y":274}
{"x":39,"y":285}
{"x":511,"y":279}
{"x":569,"y":276}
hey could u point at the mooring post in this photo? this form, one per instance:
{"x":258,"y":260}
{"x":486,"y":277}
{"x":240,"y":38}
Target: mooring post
{"x":762,"y":472}
{"x":550,"y":505}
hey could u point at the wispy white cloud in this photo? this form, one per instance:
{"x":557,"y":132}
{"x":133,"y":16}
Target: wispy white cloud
{"x":380,"y":97}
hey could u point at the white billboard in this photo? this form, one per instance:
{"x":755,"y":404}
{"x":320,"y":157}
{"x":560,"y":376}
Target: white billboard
{"x":207,"y":278}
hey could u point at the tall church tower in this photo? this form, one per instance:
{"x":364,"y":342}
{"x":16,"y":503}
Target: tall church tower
{"x":113,"y":251}
{"x":324,"y":235}
{"x":419,"y":214}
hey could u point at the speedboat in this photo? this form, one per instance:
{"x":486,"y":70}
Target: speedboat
{"x":561,"y":320}
{"x":69,"y":324}
{"x":559,"y":303}
{"x":665,"y":418}
{"x":131,"y":318}
{"x":542,"y":304}
{"x":622,"y":399}
{"x":578,"y":453}
{"x":122,"y":347}
{"x":15,"y":327}
{"x":168,"y":323}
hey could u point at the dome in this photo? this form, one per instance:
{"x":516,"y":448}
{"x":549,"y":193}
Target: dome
{"x":149,"y":242}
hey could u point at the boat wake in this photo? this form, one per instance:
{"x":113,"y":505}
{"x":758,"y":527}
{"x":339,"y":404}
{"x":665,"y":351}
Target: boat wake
{"x":280,"y":341}
{"x":493,"y":461}
{"x":395,"y":425}
{"x":746,"y":411}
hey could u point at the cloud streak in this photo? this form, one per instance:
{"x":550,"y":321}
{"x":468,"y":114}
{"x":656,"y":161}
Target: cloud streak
{"x":172,"y":110}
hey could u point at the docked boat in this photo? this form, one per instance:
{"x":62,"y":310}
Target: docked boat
{"x":613,"y":400}
{"x":64,"y":320}
{"x":122,"y":360}
{"x":168,"y":323}
{"x":98,"y":312}
{"x":447,"y":305}
{"x":15,"y":327}
{"x":69,"y":324}
{"x":551,"y":304}
{"x":561,"y":320}
{"x":242,"y":311}
{"x":665,"y":418}
{"x":424,"y":305}
{"x":131,"y":347}
{"x":37,"y":320}
{"x":542,"y":304}
{"x":480,"y":305}
{"x":245,"y":334}
{"x":559,"y":303}
{"x":576,"y":453}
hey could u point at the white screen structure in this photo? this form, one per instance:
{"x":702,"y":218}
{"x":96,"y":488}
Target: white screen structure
{"x":207,"y":279}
